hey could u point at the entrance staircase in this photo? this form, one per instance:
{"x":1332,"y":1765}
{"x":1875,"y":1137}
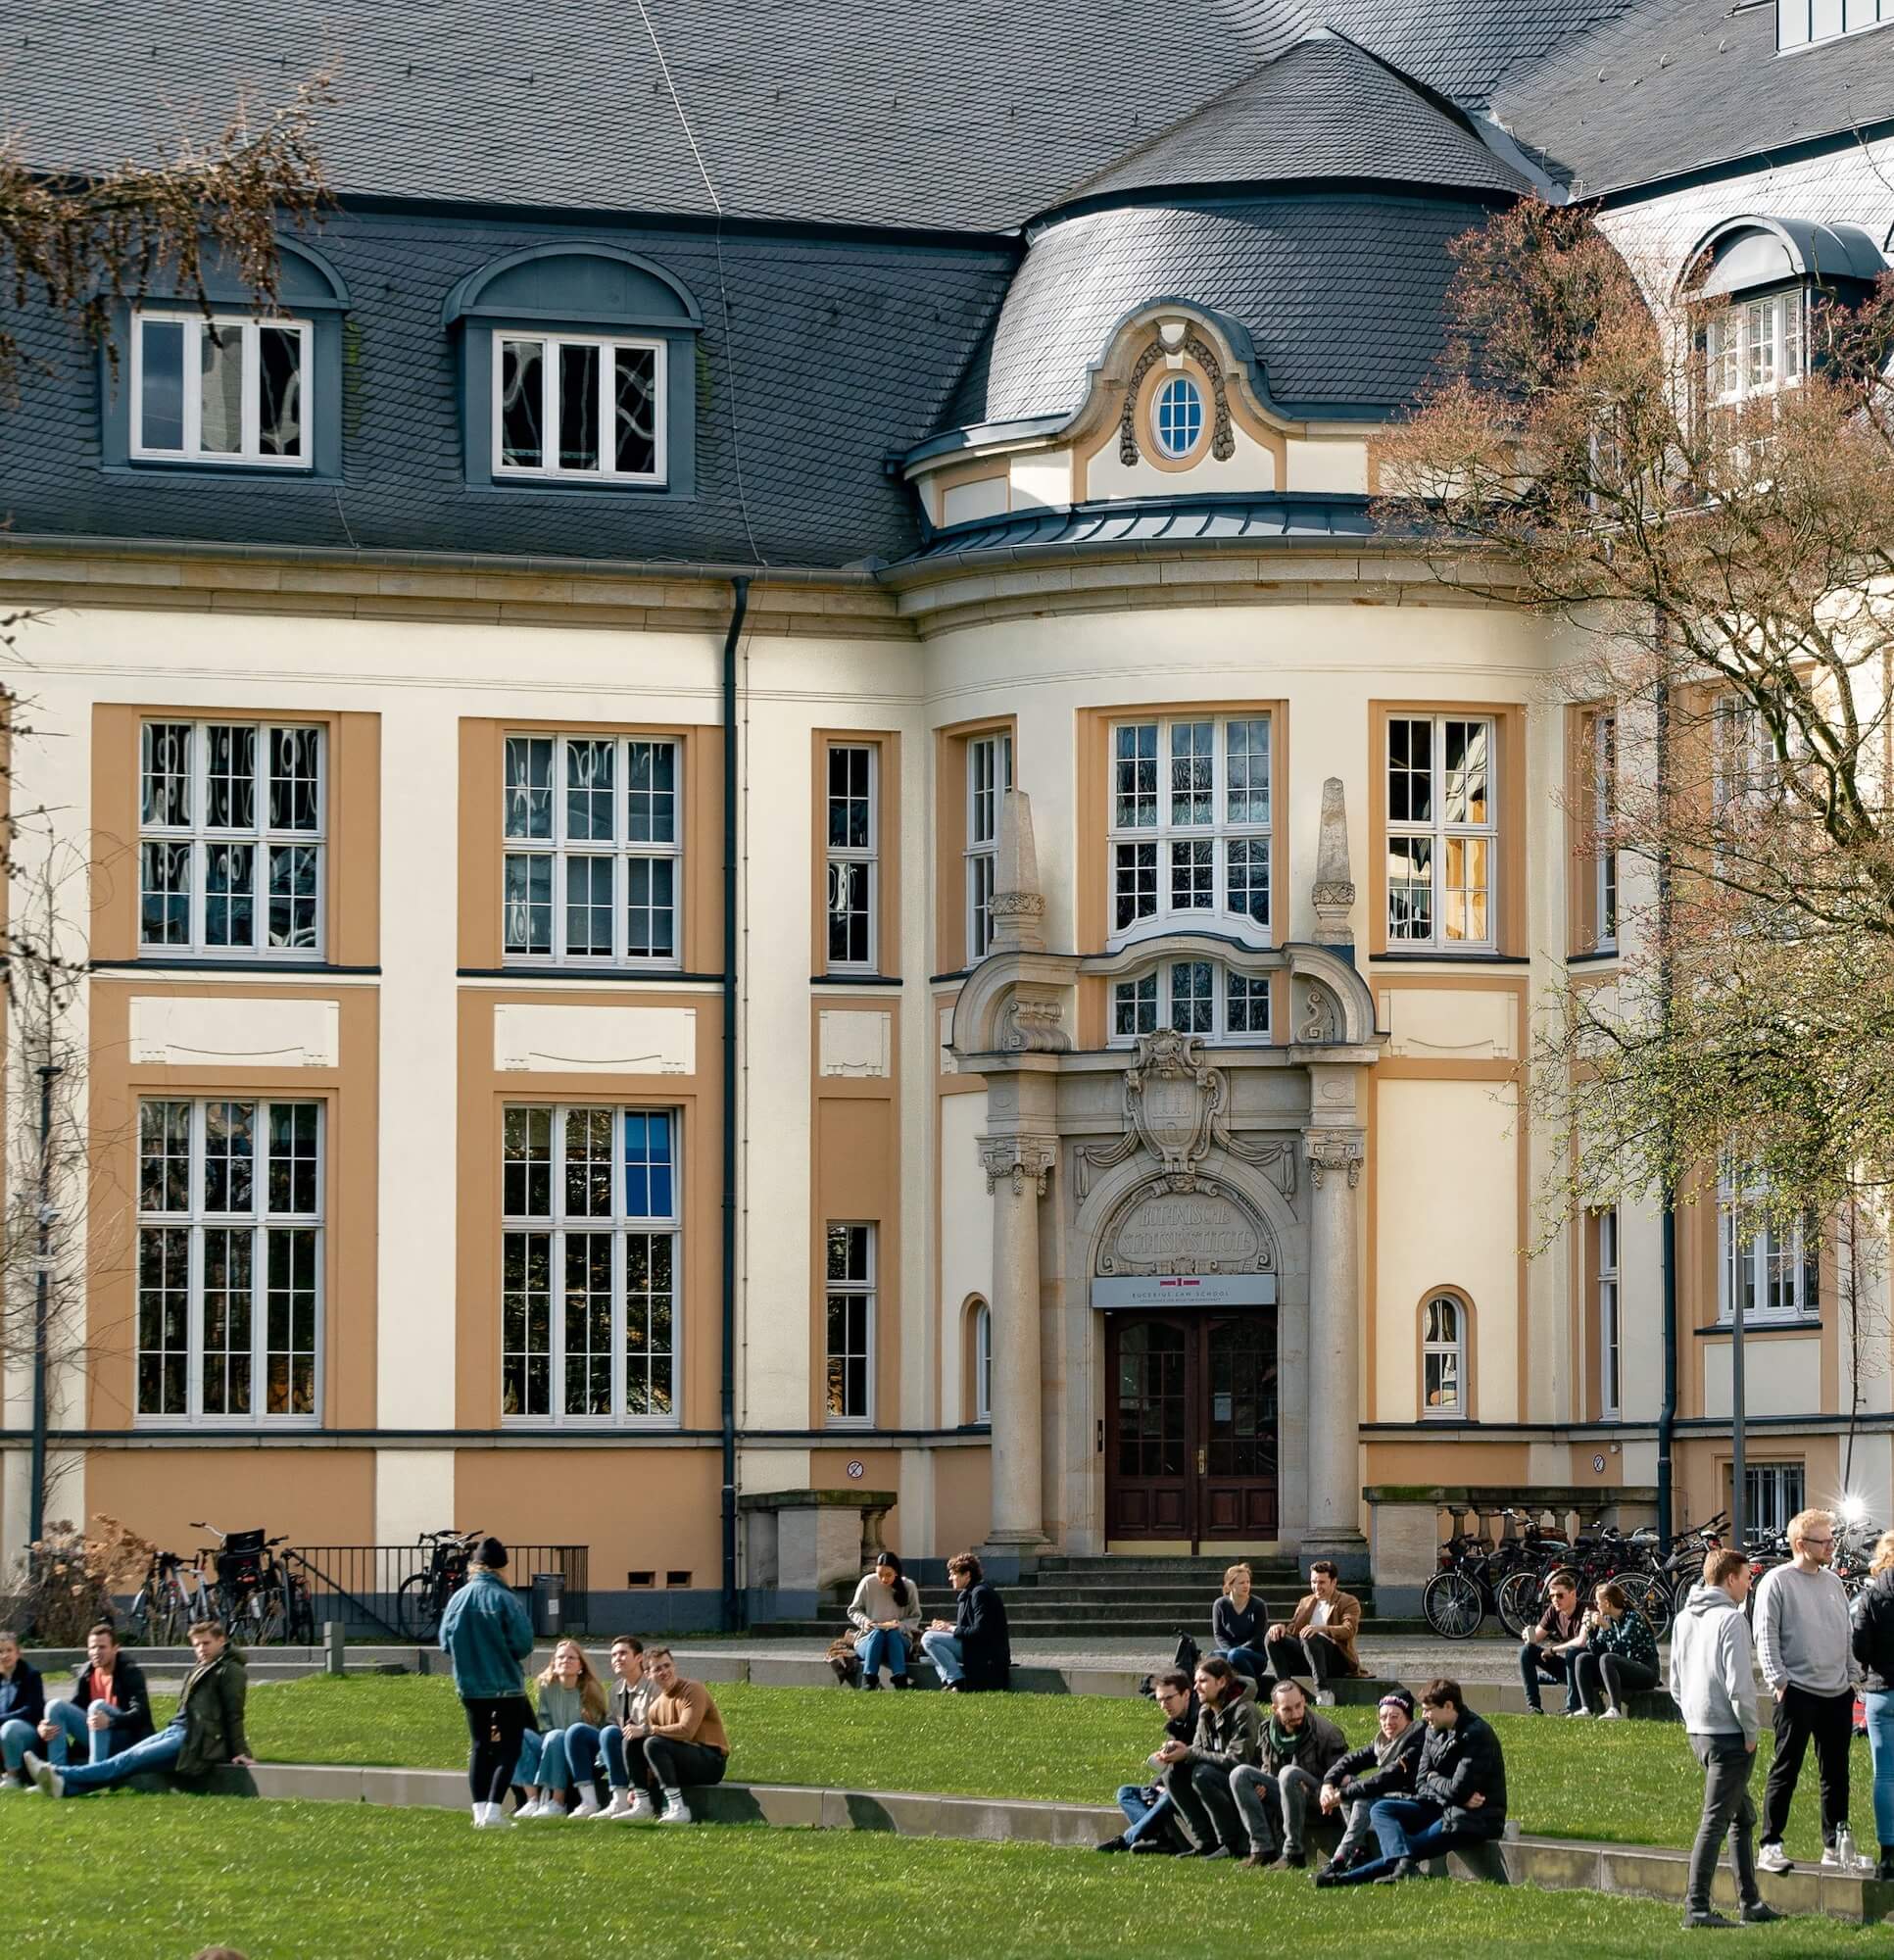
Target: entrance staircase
{"x":1129,"y":1598}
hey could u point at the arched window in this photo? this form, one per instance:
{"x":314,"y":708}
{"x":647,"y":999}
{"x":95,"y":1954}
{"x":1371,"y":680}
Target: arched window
{"x":1443,"y":1356}
{"x":983,"y":1363}
{"x":1195,"y":997}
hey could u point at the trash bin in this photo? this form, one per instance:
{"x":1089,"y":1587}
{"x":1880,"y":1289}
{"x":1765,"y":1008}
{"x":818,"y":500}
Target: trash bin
{"x":549,"y":1594}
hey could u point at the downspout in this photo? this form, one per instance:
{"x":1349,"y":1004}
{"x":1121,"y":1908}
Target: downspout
{"x":1668,"y":1409}
{"x":739,"y":605}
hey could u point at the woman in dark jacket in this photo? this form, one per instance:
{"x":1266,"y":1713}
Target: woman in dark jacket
{"x":22,"y":1708}
{"x":1875,"y":1650}
{"x":1239,"y":1620}
{"x":976,"y":1652}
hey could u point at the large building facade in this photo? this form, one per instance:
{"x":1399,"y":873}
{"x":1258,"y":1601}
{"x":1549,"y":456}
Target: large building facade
{"x":772,"y":819}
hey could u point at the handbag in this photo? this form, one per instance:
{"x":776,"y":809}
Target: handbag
{"x":1188,"y":1654}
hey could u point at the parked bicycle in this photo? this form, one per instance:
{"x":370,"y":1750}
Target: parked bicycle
{"x":256,"y":1597}
{"x":172,"y":1596}
{"x":423,"y":1596}
{"x":1474,"y":1571}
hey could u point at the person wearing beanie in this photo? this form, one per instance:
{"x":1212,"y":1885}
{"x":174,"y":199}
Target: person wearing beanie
{"x":1383,"y":1767}
{"x":487,"y":1635}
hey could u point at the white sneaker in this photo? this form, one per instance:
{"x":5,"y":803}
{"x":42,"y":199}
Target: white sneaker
{"x":620,"y":1806}
{"x":1831,"y":1859}
{"x":1612,"y":1715}
{"x":639,"y":1810}
{"x":1578,"y":1714}
{"x":1324,"y":1698}
{"x":676,"y":1810}
{"x":13,"y":1781}
{"x":1772,"y":1858}
{"x":588,"y":1804}
{"x":540,"y":1806}
{"x":491,"y":1817}
{"x":49,"y":1780}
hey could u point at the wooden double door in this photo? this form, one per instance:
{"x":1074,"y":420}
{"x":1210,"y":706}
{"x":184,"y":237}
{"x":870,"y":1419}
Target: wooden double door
{"x":1191,"y":1447}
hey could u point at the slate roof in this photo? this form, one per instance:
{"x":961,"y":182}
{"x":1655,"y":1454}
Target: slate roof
{"x":1462,"y":48}
{"x":1673,"y":85}
{"x":1340,"y":292}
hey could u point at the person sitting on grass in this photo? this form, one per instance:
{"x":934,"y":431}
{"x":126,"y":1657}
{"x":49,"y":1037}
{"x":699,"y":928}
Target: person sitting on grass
{"x":486,"y":1634}
{"x":1619,"y":1656}
{"x":1149,"y":1810}
{"x":1319,"y":1637}
{"x":1237,"y":1623}
{"x":885,"y":1612}
{"x":1299,"y":1748}
{"x":23,"y":1708}
{"x":630,"y":1697}
{"x":1382,"y":1768}
{"x":683,"y":1738}
{"x":572,"y":1707}
{"x":109,"y":1708}
{"x":1550,"y":1650}
{"x":1196,"y":1775}
{"x":976,"y":1652}
{"x":1459,"y":1794}
{"x":205,"y":1733}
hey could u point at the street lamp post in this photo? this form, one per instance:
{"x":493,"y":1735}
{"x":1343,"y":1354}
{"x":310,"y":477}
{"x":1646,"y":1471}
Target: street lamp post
{"x":42,"y":1284}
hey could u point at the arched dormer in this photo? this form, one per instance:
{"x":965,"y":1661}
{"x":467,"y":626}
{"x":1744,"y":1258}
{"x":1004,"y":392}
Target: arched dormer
{"x":578,"y":371}
{"x":215,"y":383}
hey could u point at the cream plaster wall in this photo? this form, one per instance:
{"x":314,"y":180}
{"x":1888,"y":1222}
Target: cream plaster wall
{"x":414,"y":1493}
{"x":1780,"y":1377}
{"x":1326,"y":464}
{"x":962,"y":503}
{"x":966,"y":1243}
{"x":1041,"y":478}
{"x":1248,"y":466}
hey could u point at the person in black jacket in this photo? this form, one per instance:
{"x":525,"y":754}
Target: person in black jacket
{"x":1148,"y":1809}
{"x":109,"y":1708}
{"x":1873,"y":1644}
{"x":1382,"y":1768}
{"x":22,"y":1708}
{"x":1459,"y":1794}
{"x":976,"y":1652}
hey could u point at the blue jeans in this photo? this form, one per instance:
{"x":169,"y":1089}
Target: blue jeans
{"x":880,"y":1649}
{"x":1536,"y":1664}
{"x":583,"y":1741}
{"x":98,"y":1744}
{"x":1143,"y":1816}
{"x":550,"y":1769}
{"x":532,"y":1745}
{"x":1250,"y":1661}
{"x":155,"y":1752}
{"x":1406,"y":1828}
{"x":1880,"y":1746}
{"x":945,"y":1652}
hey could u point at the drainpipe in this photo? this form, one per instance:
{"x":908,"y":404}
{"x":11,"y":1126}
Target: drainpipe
{"x":739,"y":605}
{"x":42,"y":1275}
{"x":1667,"y":1409}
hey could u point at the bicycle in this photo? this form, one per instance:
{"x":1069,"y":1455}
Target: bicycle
{"x":167,"y":1603}
{"x":256,"y":1598}
{"x":423,"y":1595}
{"x":1456,"y":1600}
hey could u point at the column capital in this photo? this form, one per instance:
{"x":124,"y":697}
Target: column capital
{"x":1019,"y":1159}
{"x":1335,"y":1150}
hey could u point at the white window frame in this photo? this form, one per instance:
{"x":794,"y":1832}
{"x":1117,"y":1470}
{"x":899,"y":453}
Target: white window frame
{"x":249,"y":452}
{"x":1160,"y":981}
{"x":548,"y":345}
{"x":1454,"y":1351}
{"x":1800,"y":23}
{"x":561,"y":1223}
{"x":841,"y":856}
{"x":1773,"y":1494}
{"x":196,"y":1220}
{"x":1441,"y":833}
{"x":1755,"y":345}
{"x":839,"y":1289}
{"x":982,"y":1362}
{"x":990,"y":775}
{"x":1611,"y":1327}
{"x":1604,"y":802}
{"x":1780,"y":1272}
{"x":1165,"y":834}
{"x":563,"y":849}
{"x":1166,"y":447}
{"x":202,"y":841}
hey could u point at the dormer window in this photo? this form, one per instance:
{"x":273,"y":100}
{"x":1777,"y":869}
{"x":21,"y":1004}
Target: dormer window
{"x":570,"y":407}
{"x":1756,"y":347}
{"x":1177,"y":415}
{"x":1799,"y":22}
{"x":221,"y":390}
{"x":1192,"y":997}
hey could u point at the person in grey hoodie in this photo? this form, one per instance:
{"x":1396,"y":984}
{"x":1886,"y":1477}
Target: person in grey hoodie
{"x":1804,"y":1647}
{"x":1713,"y":1681}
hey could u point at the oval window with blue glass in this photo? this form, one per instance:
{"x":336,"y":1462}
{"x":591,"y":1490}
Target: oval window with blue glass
{"x":1177,"y":414}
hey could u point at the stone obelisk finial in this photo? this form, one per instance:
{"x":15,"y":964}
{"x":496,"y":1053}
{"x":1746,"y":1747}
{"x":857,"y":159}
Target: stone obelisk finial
{"x":1018,"y":905}
{"x":1334,"y":895}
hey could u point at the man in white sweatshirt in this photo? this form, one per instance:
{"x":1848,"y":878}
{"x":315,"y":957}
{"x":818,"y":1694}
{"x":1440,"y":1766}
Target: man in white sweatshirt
{"x":1713,"y":1681}
{"x":1805,"y":1646}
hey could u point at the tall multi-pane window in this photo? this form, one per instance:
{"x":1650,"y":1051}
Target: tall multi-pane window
{"x":578,"y":406}
{"x":1194,"y":996}
{"x":1190,"y":823}
{"x":1773,"y":1493}
{"x":589,"y":1265}
{"x":853,"y":869}
{"x":230,"y":1208}
{"x":231,"y":821}
{"x":1444,"y":1342}
{"x":1755,"y":347}
{"x":850,"y":1319}
{"x":1604,"y":804}
{"x":1774,"y":1269}
{"x":593,"y":849}
{"x":983,"y":1363}
{"x":1442,"y":830}
{"x":990,"y":775}
{"x":221,"y":390}
{"x":1610,"y":1328}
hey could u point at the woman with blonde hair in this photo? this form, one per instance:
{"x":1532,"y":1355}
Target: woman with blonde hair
{"x":572,"y":1701}
{"x":1238,"y":1621}
{"x":1873,"y":1644}
{"x":1619,"y":1658}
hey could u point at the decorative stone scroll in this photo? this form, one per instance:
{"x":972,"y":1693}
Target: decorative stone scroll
{"x":1018,"y":1158}
{"x":1223,"y":440}
{"x":1335,"y":1150}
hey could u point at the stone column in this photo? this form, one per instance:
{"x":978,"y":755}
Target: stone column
{"x":1335,"y":1158}
{"x":1017,"y":1168}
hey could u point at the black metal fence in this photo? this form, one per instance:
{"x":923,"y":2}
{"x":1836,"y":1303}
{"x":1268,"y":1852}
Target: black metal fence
{"x":378,"y":1590}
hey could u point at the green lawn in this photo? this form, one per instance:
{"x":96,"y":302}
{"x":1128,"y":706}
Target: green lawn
{"x":135,"y":1878}
{"x":1627,"y":1781}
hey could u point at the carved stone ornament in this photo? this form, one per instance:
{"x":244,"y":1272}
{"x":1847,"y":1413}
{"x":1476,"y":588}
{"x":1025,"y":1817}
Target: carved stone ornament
{"x":1337,"y":1151}
{"x":1034,"y":1023}
{"x":1016,"y":905}
{"x":1209,"y":1229}
{"x":1223,"y":440}
{"x":1018,"y":1158}
{"x":1318,"y":1017}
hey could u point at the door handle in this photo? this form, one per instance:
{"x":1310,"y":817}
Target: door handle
{"x":1204,"y":1460}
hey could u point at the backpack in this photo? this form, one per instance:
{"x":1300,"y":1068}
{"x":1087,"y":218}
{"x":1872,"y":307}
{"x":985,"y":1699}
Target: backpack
{"x":1188,"y":1654}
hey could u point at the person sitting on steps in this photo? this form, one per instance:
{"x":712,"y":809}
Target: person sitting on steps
{"x":1619,"y":1657}
{"x":1147,"y":1807}
{"x":205,"y":1733}
{"x":631,"y":1697}
{"x":1299,"y":1749}
{"x":1196,"y":1775}
{"x":1319,"y":1637}
{"x":976,"y":1652}
{"x":22,"y":1708}
{"x":1237,"y":1623}
{"x":886,"y":1612}
{"x":1382,"y":1768}
{"x":572,"y":1710}
{"x":1550,"y":1650}
{"x":109,"y":1708}
{"x":683,"y":1737}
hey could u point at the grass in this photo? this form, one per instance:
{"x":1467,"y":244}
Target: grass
{"x":1619,"y":1781}
{"x":135,"y":1877}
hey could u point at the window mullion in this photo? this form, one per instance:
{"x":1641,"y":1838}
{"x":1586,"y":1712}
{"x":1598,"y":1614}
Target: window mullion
{"x":193,"y":355}
{"x":548,"y":453}
{"x":608,"y":444}
{"x":249,"y":413}
{"x":621,"y":1255}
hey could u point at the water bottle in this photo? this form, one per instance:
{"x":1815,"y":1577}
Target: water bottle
{"x":1845,"y":1848}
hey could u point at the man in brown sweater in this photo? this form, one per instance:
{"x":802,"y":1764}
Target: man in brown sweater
{"x":683,"y":1736}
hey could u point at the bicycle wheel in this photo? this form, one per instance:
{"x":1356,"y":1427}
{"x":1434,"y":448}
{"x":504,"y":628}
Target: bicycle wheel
{"x":173,"y":1615}
{"x":1519,"y":1601}
{"x":1452,"y":1606}
{"x":417,"y":1613}
{"x":302,"y":1616}
{"x":1649,"y":1593}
